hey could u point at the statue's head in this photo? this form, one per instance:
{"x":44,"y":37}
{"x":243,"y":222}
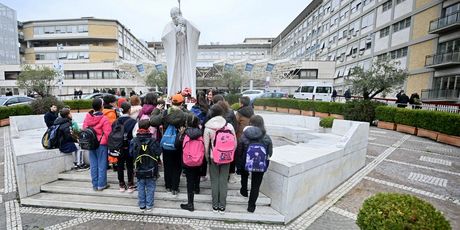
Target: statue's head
{"x":175,"y":14}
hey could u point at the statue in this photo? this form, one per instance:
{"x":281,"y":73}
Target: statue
{"x":180,"y":42}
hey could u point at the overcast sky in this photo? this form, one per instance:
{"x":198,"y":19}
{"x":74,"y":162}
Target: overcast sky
{"x":224,"y":21}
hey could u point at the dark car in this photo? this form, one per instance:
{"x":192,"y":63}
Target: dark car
{"x":15,"y":100}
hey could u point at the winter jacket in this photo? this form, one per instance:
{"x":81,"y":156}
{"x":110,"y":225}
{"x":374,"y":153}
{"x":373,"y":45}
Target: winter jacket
{"x":50,"y":117}
{"x":135,"y":109}
{"x":147,"y":163}
{"x":120,"y":101}
{"x":209,"y":134}
{"x":100,"y":124}
{"x":250,"y":135}
{"x":111,"y":114}
{"x":229,"y":117}
{"x":146,"y":109}
{"x":193,"y":133}
{"x":242,"y":116}
{"x":129,"y":125}
{"x":199,"y":112}
{"x":173,"y":116}
{"x":66,"y":141}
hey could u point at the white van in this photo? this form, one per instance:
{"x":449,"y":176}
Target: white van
{"x":314,"y":91}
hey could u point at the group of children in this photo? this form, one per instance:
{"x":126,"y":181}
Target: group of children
{"x":143,"y":138}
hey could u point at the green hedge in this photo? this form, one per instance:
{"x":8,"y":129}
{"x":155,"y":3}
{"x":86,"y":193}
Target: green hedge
{"x":79,"y":104}
{"x":288,"y":103}
{"x":443,"y":122}
{"x":361,"y":110}
{"x":319,"y":106}
{"x":399,"y":211}
{"x":307,"y":105}
{"x":15,"y":110}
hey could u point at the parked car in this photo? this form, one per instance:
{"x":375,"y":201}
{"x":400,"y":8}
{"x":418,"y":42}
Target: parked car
{"x":95,"y":95}
{"x":15,"y":100}
{"x":274,"y":95}
{"x":252,"y":94}
{"x":314,"y":91}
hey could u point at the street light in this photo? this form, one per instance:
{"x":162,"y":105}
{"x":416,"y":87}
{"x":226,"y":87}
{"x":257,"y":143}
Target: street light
{"x":60,"y":69}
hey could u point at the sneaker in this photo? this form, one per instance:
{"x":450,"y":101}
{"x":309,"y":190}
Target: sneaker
{"x":215,"y":209}
{"x":244,"y":192}
{"x":251,"y":209}
{"x":83,"y":166}
{"x":148,"y":209}
{"x":203,"y":178}
{"x":122,"y":189}
{"x":175,"y":192}
{"x":105,"y":187}
{"x":75,"y":167}
{"x":131,"y":189}
{"x":233,"y":179}
{"x":221,"y":210}
{"x":142,"y":209}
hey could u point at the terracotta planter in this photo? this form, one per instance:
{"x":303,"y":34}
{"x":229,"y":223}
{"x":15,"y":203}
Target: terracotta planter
{"x":406,"y":129}
{"x":294,"y":111}
{"x":308,"y":113}
{"x":269,"y":108}
{"x":4,"y":122}
{"x":259,"y":107}
{"x":427,"y":133}
{"x":337,"y":116}
{"x":386,"y":125}
{"x":449,"y":139}
{"x":319,"y":114}
{"x":282,"y":110}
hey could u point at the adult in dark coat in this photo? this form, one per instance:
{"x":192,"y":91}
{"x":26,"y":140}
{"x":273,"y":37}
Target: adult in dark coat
{"x":51,"y":116}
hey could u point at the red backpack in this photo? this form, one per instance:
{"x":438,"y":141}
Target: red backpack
{"x":223,"y":149}
{"x":193,"y":151}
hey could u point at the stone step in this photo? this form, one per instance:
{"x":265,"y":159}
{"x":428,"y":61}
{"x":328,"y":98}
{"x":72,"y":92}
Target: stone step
{"x":85,"y":188}
{"x":112,"y":178}
{"x":161,"y":207}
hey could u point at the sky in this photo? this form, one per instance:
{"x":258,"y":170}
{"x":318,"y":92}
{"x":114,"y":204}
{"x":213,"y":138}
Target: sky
{"x":224,"y":21}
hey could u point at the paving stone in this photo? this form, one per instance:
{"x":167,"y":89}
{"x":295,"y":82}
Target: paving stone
{"x":414,"y":157}
{"x":127,"y":225}
{"x":37,"y":221}
{"x":332,"y":221}
{"x":375,"y":151}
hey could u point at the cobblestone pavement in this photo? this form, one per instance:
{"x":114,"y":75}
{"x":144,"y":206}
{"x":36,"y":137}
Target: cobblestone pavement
{"x":395,"y":162}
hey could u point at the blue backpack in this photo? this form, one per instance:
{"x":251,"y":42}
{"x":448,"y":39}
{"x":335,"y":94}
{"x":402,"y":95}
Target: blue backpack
{"x":199,"y":113}
{"x":51,"y":139}
{"x":256,"y":158}
{"x":169,"y":138}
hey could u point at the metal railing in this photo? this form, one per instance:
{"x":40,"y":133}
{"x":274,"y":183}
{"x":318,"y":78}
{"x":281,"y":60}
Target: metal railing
{"x":443,"y":58}
{"x":445,"y":21}
{"x":440,"y":94}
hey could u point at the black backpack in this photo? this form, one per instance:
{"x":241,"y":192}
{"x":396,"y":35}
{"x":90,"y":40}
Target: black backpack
{"x":146,"y":163}
{"x":88,"y":139}
{"x":118,"y":138}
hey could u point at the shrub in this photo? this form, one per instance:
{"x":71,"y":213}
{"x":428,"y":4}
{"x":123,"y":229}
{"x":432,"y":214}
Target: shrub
{"x":15,"y":110}
{"x":79,"y":104}
{"x":307,"y":105}
{"x":235,"y":106}
{"x":399,"y":211}
{"x":232,"y":98}
{"x":385,"y":113}
{"x":288,"y":103}
{"x":266,"y":102}
{"x":406,"y":117}
{"x":361,"y":110}
{"x":336,"y":108}
{"x":326,"y":122}
{"x":322,"y":106}
{"x":42,"y":105}
{"x":443,"y":122}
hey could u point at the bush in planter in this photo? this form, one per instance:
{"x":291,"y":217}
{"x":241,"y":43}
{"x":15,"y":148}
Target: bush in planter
{"x":447,"y":123}
{"x":307,"y":105}
{"x":399,"y":211}
{"x":15,"y":110}
{"x":361,"y":110}
{"x":288,"y":103}
{"x":235,"y":106}
{"x":385,"y":113}
{"x":42,"y":105}
{"x":272,"y":102}
{"x":336,"y":108}
{"x":232,"y":98}
{"x":326,"y":122}
{"x":322,"y":106}
{"x":79,"y":104}
{"x":406,"y":117}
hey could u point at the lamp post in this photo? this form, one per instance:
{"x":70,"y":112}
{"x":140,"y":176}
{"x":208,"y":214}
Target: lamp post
{"x":59,"y":68}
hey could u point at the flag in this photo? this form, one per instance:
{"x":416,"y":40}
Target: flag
{"x":228,"y":66}
{"x":269,"y":67}
{"x":159,"y":67}
{"x":140,"y":68}
{"x":249,"y":67}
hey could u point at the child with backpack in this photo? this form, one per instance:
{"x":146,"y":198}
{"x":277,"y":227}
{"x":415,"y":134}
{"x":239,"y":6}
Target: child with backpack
{"x":118,"y":144}
{"x":94,"y":137}
{"x":146,"y":153}
{"x":253,"y":152}
{"x":220,"y":143}
{"x":191,"y":144}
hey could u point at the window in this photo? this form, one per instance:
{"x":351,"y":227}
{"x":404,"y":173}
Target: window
{"x":366,"y":2}
{"x":49,"y":29}
{"x":401,"y":25}
{"x":451,"y":9}
{"x":367,"y":20}
{"x":39,"y":30}
{"x":386,"y":6}
{"x":39,"y":56}
{"x":307,"y":89}
{"x":308,"y":74}
{"x":399,"y":1}
{"x":382,"y":57}
{"x":82,"y":28}
{"x":81,"y":75}
{"x":449,"y":46}
{"x":384,"y":32}
{"x":399,"y":53}
{"x":323,"y":89}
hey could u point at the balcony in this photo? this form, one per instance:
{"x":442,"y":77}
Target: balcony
{"x":442,"y":60}
{"x":450,"y":95}
{"x":445,"y":24}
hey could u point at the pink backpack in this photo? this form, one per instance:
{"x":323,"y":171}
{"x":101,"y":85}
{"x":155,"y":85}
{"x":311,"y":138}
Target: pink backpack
{"x":223,"y":149}
{"x":152,"y":130}
{"x":193,"y":151}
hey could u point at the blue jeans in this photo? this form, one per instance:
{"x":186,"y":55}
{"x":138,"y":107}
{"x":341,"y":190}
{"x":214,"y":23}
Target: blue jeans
{"x":98,"y":166}
{"x":146,"y":192}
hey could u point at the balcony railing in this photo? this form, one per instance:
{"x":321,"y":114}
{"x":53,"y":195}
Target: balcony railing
{"x":441,"y":95}
{"x":446,"y":23}
{"x":444,"y":59}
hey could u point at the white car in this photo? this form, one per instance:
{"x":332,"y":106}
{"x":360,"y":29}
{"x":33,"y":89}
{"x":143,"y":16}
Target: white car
{"x":252,"y":94}
{"x":314,"y":91}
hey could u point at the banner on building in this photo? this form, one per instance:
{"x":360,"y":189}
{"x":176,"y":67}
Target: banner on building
{"x":249,"y":67}
{"x":269,"y":67}
{"x":228,"y":66}
{"x":140,"y":68}
{"x":159,"y":67}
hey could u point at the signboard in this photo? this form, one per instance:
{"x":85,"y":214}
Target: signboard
{"x":249,"y":67}
{"x":269,"y":67}
{"x":159,"y":67}
{"x":228,"y":66}
{"x":140,"y":68}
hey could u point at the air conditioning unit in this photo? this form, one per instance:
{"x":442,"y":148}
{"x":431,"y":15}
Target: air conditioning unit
{"x":353,"y":55}
{"x":361,"y":52}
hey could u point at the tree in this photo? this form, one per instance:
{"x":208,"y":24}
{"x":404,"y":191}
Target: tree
{"x":380,"y":78}
{"x":39,"y":79}
{"x":156,"y":78}
{"x":232,"y":80}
